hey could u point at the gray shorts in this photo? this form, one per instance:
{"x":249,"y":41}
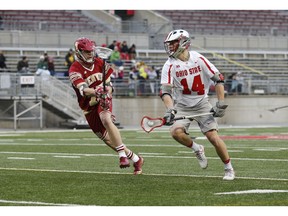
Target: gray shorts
{"x":206,"y":123}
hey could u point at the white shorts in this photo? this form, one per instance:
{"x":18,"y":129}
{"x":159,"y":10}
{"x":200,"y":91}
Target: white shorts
{"x":206,"y":123}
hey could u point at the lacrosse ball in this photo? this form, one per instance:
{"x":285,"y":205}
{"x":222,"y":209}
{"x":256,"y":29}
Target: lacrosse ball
{"x":150,"y":123}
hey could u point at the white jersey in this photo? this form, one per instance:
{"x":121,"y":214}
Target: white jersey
{"x":191,"y":80}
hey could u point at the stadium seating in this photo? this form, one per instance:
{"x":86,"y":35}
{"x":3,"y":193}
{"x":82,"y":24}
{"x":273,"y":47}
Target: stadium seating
{"x":49,"y":20}
{"x":243,"y":22}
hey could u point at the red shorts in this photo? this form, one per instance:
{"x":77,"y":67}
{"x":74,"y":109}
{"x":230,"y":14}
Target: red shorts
{"x":94,"y":121}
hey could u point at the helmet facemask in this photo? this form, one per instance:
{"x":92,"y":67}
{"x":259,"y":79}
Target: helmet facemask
{"x":176,"y":42}
{"x":85,"y":50}
{"x":86,"y":56}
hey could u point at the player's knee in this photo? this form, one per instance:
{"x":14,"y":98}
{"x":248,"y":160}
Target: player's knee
{"x":176,"y":132}
{"x":106,"y":121}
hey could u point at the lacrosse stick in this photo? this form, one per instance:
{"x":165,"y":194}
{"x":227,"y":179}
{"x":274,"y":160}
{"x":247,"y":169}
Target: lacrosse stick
{"x":103,"y":53}
{"x":148,"y":124}
{"x":277,"y":108}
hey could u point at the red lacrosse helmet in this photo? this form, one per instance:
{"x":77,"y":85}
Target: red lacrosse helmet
{"x":85,"y":50}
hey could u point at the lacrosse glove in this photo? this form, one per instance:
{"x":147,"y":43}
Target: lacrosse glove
{"x":169,"y":116}
{"x":219,"y":109}
{"x":105,"y":99}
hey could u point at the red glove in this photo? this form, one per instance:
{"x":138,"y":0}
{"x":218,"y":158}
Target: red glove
{"x":106,"y":101}
{"x":105,"y":98}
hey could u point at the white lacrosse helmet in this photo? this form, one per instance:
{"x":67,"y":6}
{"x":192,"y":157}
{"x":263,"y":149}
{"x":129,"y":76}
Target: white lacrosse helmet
{"x":176,"y":42}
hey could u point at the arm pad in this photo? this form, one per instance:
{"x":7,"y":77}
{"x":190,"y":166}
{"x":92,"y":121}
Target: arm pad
{"x":82,"y":87}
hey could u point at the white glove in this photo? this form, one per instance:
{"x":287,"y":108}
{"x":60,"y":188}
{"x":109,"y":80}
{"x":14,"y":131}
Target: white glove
{"x":219,"y":109}
{"x":169,"y":116}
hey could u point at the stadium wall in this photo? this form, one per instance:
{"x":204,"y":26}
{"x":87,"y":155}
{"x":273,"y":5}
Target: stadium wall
{"x":242,"y":110}
{"x":141,"y":40}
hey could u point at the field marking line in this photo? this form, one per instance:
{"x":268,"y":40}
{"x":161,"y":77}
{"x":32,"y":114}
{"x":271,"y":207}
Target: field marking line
{"x":34,"y":203}
{"x":20,"y":158}
{"x":256,"y":191}
{"x":152,"y":155}
{"x":145,"y":174}
{"x":66,"y":156}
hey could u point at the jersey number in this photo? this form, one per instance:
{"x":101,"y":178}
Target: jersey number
{"x":197,"y":86}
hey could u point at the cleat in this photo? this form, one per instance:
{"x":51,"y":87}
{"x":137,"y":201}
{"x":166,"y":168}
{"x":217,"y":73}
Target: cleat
{"x":138,"y":166}
{"x":124,"y":162}
{"x":200,"y":155}
{"x":229,"y":175}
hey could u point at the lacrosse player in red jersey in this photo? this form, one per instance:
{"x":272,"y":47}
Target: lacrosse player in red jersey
{"x":185,"y":81}
{"x":86,"y":76}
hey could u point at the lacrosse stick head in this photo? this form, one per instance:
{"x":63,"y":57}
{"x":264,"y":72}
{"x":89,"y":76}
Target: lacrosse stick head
{"x":148,"y":124}
{"x":103,"y":52}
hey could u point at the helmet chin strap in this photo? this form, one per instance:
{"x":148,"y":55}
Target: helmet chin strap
{"x":180,"y":54}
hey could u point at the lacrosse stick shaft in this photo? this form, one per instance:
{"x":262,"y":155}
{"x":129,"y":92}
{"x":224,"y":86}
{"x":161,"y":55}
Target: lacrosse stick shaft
{"x":103,"y":74}
{"x":277,"y":108}
{"x":103,"y":53}
{"x":192,"y":116}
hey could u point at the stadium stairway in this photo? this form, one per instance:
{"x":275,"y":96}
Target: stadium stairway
{"x":57,"y":97}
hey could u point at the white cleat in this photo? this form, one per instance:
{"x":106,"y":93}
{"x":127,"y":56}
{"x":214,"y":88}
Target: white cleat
{"x":229,"y":175}
{"x":200,"y":155}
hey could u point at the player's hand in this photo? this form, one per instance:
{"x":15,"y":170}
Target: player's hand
{"x":104,"y":97}
{"x":99,"y":92}
{"x":219,"y":109}
{"x":169,"y":116}
{"x":106,"y":101}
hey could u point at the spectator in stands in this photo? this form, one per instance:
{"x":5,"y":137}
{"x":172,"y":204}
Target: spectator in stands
{"x":133,"y":76}
{"x":23,"y":65}
{"x":152,"y":76}
{"x":1,"y":23}
{"x":69,"y":59}
{"x":115,"y":57}
{"x":143,"y":76}
{"x":132,"y":52}
{"x":50,"y":64}
{"x":42,"y":67}
{"x":3,"y":66}
{"x":112,"y":45}
{"x":236,"y":82}
{"x":120,"y":74}
{"x":124,"y":50}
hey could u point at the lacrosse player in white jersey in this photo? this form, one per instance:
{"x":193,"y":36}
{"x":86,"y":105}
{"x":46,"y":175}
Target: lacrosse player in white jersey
{"x":185,"y":80}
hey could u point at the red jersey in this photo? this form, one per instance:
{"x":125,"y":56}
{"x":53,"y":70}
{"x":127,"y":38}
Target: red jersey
{"x":92,"y":77}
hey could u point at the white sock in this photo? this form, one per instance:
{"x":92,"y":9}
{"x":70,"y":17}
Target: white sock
{"x":120,"y":150}
{"x":228,"y":165}
{"x":195,"y":146}
{"x":132,"y":156}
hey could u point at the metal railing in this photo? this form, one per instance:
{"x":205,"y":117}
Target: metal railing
{"x":49,"y":89}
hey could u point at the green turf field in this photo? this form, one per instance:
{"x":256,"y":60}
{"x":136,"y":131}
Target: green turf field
{"x":75,"y":168}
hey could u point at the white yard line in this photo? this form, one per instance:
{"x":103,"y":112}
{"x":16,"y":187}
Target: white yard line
{"x":147,"y":155}
{"x":19,"y":158}
{"x":146,"y":174}
{"x":34,"y":203}
{"x":256,"y":191}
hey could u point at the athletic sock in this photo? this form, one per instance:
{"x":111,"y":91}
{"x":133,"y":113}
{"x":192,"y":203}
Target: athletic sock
{"x":120,"y":150}
{"x":132,"y":156}
{"x":227,"y":164}
{"x":194,"y":146}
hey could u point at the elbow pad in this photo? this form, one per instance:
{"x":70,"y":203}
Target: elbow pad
{"x":166,"y":89}
{"x":218,"y":78}
{"x":82,"y":87}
